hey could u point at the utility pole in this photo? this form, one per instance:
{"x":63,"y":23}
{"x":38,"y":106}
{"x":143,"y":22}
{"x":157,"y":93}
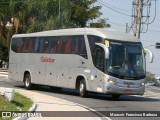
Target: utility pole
{"x":126,"y":27}
{"x":138,"y":18}
{"x":140,"y":9}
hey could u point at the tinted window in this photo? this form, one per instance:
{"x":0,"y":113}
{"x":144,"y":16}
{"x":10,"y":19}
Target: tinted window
{"x":71,"y":45}
{"x":81,"y":46}
{"x":99,"y":61}
{"x":92,"y":40}
{"x":53,"y":44}
{"x":28,"y":45}
{"x":16,"y":44}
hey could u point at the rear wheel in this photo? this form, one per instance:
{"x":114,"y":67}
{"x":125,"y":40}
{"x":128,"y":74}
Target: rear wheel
{"x":82,"y":88}
{"x":27,"y":82}
{"x":116,"y":96}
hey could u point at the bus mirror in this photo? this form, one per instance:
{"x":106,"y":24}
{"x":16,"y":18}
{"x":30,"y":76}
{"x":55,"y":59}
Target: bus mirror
{"x":106,"y":49}
{"x":150,"y":54}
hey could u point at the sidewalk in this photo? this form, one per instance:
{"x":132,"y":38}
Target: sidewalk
{"x":3,"y":71}
{"x":50,"y":105}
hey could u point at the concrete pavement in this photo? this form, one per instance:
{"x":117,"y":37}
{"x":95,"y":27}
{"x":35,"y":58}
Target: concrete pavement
{"x":49,"y":103}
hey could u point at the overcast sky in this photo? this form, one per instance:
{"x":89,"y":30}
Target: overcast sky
{"x":118,"y":13}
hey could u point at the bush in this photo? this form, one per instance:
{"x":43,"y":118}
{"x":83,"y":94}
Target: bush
{"x":4,"y":56}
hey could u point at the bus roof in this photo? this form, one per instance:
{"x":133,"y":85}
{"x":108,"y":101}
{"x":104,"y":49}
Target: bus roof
{"x":102,"y":32}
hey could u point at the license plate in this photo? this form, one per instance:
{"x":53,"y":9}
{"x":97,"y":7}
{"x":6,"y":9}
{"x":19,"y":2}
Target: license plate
{"x":127,"y":91}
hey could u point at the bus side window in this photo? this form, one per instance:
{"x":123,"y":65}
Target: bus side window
{"x":60,"y":45}
{"x":24,"y":45}
{"x":41,"y":45}
{"x":74,"y":46}
{"x":68,"y":45}
{"x":92,"y":40}
{"x":82,"y":47}
{"x":53,"y":45}
{"x":99,"y":60}
{"x":13,"y":43}
{"x":46,"y":44}
{"x":31,"y":45}
{"x":17,"y":45}
{"x":37,"y":45}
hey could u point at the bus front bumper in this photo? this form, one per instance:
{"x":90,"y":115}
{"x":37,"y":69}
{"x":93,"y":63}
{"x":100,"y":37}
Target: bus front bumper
{"x":125,"y":90}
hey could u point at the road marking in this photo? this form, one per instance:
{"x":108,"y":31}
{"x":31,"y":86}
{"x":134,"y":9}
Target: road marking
{"x":90,"y":109}
{"x":3,"y":75}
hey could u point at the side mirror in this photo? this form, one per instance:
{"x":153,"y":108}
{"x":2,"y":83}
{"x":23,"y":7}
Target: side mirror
{"x":150,"y":54}
{"x":106,"y":49}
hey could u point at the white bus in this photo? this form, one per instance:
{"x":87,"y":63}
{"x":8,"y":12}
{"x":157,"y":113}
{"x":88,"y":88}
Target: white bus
{"x":88,"y":59}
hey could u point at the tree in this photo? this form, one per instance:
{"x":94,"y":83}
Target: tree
{"x":3,"y":54}
{"x":150,"y":76}
{"x":100,"y":24}
{"x":27,"y":16}
{"x":82,"y":11}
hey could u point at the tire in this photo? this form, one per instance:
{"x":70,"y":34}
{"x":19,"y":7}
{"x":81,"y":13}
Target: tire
{"x":27,"y":82}
{"x":116,"y":96}
{"x":82,"y":88}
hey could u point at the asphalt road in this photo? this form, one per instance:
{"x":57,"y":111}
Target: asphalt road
{"x":149,"y":102}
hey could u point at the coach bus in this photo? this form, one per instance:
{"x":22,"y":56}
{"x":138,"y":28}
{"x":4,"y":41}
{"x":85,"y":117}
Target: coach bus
{"x":88,"y":59}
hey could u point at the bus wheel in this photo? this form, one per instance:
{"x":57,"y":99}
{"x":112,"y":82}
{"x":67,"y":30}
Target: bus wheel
{"x":115,"y":96}
{"x":82,"y":88}
{"x":27,"y":81}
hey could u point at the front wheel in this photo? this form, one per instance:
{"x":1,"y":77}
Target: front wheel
{"x":27,"y":81}
{"x":82,"y":88}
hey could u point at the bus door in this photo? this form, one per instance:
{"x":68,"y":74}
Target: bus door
{"x":97,"y":77}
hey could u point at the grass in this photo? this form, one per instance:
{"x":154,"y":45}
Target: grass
{"x":20,"y":103}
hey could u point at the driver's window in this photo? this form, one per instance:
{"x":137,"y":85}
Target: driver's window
{"x":99,"y":60}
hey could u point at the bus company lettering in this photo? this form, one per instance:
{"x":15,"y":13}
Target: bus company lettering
{"x":128,"y":83}
{"x":48,"y":60}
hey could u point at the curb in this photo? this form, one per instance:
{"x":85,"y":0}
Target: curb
{"x":101,"y":116}
{"x":31,"y":110}
{"x":4,"y":73}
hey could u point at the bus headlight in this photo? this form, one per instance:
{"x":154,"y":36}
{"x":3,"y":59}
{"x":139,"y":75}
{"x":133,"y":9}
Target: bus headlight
{"x":142,"y":84}
{"x":112,"y":81}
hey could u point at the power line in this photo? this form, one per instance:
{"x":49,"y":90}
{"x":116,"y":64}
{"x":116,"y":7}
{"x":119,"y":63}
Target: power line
{"x":138,"y":15}
{"x":113,"y":9}
{"x":117,"y":24}
{"x":153,"y":30}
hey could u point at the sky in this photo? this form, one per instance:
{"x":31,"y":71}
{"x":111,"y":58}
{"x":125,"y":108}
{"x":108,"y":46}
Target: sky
{"x":120,"y":14}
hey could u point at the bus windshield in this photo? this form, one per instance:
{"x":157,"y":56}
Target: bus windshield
{"x":126,"y":60}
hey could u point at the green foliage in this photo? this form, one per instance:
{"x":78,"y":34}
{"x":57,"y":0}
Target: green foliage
{"x":3,"y":53}
{"x":83,"y":11}
{"x":40,"y":15}
{"x":100,"y":24}
{"x":20,"y":103}
{"x":150,"y":76}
